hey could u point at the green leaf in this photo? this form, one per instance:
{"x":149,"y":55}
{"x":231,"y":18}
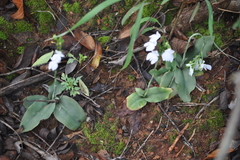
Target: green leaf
{"x":203,"y":44}
{"x":166,"y":79}
{"x":210,"y":17}
{"x":135,"y":102}
{"x":164,"y":2}
{"x":69,"y":112}
{"x":90,"y":15}
{"x":157,"y":94}
{"x":35,"y":113}
{"x":28,"y":101}
{"x":43,"y":59}
{"x":83,"y":87}
{"x":185,"y":82}
{"x":134,"y":33}
{"x":157,"y":74}
{"x":140,"y":92}
{"x":55,"y":89}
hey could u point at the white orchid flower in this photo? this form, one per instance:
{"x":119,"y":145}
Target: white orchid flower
{"x":168,"y":55}
{"x":55,"y":59}
{"x":191,"y":70}
{"x":155,"y":37}
{"x":52,"y":65}
{"x":150,"y":46}
{"x":206,"y":66}
{"x":152,"y":56}
{"x":57,"y":56}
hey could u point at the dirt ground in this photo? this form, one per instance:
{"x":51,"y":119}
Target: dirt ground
{"x":170,"y":130}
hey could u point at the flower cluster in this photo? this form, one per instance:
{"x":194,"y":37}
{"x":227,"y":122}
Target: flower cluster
{"x":153,"y":55}
{"x":197,"y":64}
{"x":55,"y":59}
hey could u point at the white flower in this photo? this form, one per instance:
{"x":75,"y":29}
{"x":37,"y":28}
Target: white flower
{"x":190,"y":69}
{"x":150,"y":46}
{"x":152,"y":57}
{"x":55,"y":59}
{"x":168,"y":55}
{"x":155,"y":37}
{"x":57,"y":56}
{"x":52,"y":65}
{"x":206,"y":66}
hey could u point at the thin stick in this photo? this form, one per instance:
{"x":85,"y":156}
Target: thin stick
{"x":126,"y":144}
{"x":144,"y":143}
{"x":11,"y":129}
{"x":55,"y":139}
{"x":185,"y":139}
{"x":184,"y":145}
{"x":178,"y":137}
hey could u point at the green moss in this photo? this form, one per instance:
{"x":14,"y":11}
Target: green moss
{"x":23,"y":26}
{"x":20,"y":49}
{"x":74,"y":8}
{"x":3,"y":35}
{"x":104,"y":39}
{"x":41,"y":13}
{"x":131,"y":77}
{"x":103,"y":136}
{"x":5,"y":28}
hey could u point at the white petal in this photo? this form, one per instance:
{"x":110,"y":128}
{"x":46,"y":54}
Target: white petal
{"x":59,"y":53}
{"x":52,"y":65}
{"x":150,"y":46}
{"x":191,"y":71}
{"x":56,"y":58}
{"x":207,"y":66}
{"x":155,"y":37}
{"x":152,"y":57}
{"x":168,"y":55}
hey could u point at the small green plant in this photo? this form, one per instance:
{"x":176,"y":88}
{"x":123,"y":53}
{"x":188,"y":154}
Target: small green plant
{"x":72,"y":58}
{"x":65,"y":109}
{"x":71,"y":84}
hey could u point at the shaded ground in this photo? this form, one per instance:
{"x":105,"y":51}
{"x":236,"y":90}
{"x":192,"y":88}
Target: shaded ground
{"x":112,"y":130}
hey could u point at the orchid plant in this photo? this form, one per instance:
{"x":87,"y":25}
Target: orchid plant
{"x":177,"y":74}
{"x":65,"y":109}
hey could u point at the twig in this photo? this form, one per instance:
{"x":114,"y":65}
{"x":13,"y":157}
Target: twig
{"x":178,"y":137}
{"x":123,"y":152}
{"x":185,"y":139}
{"x":203,"y":108}
{"x":144,"y":143}
{"x":11,"y":129}
{"x":191,"y":104}
{"x":45,"y":155}
{"x":184,"y":145}
{"x":160,"y":121}
{"x":55,"y":139}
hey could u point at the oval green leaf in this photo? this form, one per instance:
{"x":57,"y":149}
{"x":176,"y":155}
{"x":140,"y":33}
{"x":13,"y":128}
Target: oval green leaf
{"x":69,"y":113}
{"x":43,"y":59}
{"x":135,"y":102}
{"x":157,"y":94}
{"x":35,"y":113}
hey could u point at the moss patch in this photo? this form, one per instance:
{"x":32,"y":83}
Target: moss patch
{"x":103,"y":135}
{"x":40,"y":11}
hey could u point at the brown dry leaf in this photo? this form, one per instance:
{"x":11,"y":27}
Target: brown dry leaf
{"x":179,"y":45}
{"x":85,"y":39}
{"x":125,"y":32}
{"x":97,"y":56}
{"x":214,"y":153}
{"x":20,"y":12}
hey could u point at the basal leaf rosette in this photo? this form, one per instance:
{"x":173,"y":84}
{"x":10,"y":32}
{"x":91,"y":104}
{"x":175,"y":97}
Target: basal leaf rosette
{"x":154,"y":95}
